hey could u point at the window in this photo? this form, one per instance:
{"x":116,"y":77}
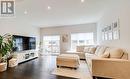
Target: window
{"x":51,"y":44}
{"x":81,"y":39}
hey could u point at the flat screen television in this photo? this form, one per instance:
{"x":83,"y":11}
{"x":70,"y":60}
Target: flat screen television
{"x":22,"y":43}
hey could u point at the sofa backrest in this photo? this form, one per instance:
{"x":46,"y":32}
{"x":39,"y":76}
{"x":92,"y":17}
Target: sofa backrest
{"x":83,"y":48}
{"x":116,"y":53}
{"x":100,"y":50}
{"x":80,"y":48}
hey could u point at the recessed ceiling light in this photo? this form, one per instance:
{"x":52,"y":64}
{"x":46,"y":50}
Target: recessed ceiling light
{"x":82,"y":1}
{"x":48,"y":7}
{"x":25,"y":12}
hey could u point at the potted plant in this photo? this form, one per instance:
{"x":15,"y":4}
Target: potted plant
{"x":6,"y":45}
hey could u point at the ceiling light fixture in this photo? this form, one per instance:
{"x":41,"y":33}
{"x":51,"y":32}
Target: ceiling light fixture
{"x":82,"y":1}
{"x":48,"y":7}
{"x":25,"y":12}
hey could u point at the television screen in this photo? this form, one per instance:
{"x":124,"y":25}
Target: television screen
{"x":32,"y":43}
{"x":22,"y":43}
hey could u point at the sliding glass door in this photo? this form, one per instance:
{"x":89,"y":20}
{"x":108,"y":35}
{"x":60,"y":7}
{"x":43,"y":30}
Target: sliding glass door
{"x":51,"y":44}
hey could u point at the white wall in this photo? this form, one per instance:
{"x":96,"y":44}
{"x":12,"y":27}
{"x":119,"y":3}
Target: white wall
{"x":121,"y":10}
{"x":18,"y":28}
{"x":82,"y":28}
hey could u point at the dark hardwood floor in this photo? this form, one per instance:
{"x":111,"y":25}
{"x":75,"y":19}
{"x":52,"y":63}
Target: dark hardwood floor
{"x":40,"y":68}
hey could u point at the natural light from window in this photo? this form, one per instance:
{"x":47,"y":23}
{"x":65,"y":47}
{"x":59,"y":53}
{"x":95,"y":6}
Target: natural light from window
{"x":81,"y":39}
{"x":51,"y":44}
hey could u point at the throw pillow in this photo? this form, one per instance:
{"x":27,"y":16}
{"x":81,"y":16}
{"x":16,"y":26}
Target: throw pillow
{"x":92,"y":50}
{"x":86,"y":49}
{"x":116,"y":53}
{"x":80,"y":48}
{"x":106,"y":54}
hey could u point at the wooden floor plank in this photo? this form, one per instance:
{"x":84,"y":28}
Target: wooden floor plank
{"x":39,"y":68}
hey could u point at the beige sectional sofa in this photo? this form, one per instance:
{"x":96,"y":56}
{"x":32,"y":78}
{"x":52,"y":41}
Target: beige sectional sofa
{"x":104,"y":60}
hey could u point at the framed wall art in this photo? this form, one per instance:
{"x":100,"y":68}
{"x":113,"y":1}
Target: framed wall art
{"x":110,"y":33}
{"x":103,"y":34}
{"x":106,"y":33}
{"x":116,"y":34}
{"x":116,"y":30}
{"x":65,"y":38}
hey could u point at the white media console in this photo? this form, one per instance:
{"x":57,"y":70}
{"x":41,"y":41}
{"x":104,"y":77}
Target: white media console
{"x":23,"y":56}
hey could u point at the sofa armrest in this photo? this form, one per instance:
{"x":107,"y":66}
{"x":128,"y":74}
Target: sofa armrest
{"x":111,"y":68}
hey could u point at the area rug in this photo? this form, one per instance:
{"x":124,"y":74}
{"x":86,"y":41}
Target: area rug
{"x":81,"y":73}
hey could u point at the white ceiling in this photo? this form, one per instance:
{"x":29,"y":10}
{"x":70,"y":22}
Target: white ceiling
{"x":62,"y":12}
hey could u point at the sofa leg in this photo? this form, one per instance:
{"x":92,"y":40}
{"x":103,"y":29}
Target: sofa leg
{"x":58,"y":66}
{"x":75,"y":68}
{"x":94,"y":77}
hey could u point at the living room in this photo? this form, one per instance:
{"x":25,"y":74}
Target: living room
{"x":62,"y":29}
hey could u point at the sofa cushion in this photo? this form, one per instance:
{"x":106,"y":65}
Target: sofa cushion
{"x":106,"y":54}
{"x":101,"y":50}
{"x":98,"y":48}
{"x":86,"y":49}
{"x":92,"y":50}
{"x":80,"y":48}
{"x":88,"y":55}
{"x":116,"y":53}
